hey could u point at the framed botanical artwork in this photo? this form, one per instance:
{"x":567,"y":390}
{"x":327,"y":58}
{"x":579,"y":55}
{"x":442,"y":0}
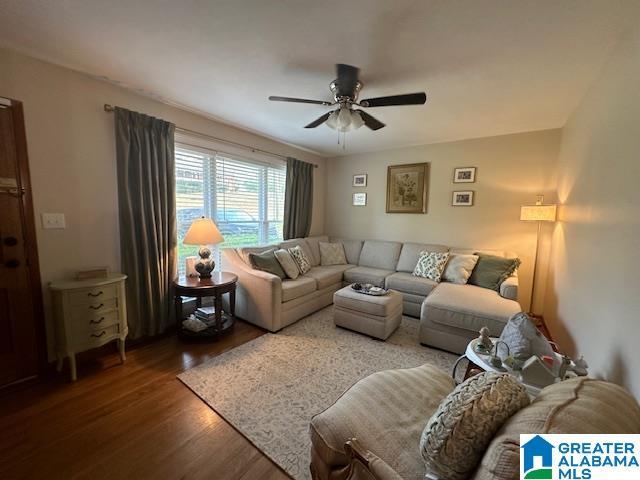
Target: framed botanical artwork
{"x":464,"y":175}
{"x":360,"y":180}
{"x":359,"y":199}
{"x":407,"y":188}
{"x":462,"y":199}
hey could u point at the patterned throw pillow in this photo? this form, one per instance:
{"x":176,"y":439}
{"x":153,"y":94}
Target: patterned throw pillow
{"x":304,"y":265}
{"x":431,"y":265}
{"x":458,"y":433}
{"x":287,"y":263}
{"x":332,"y":254}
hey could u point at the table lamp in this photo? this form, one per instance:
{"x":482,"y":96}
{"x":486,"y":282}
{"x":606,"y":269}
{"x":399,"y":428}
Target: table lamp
{"x":203,"y":231}
{"x":537,"y":213}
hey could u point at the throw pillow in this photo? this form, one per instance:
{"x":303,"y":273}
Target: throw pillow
{"x":287,"y":263}
{"x":431,"y":265}
{"x":304,"y":265}
{"x":267,"y":262}
{"x":491,"y":271}
{"x":332,"y":254}
{"x":458,"y":433}
{"x":459,"y":268}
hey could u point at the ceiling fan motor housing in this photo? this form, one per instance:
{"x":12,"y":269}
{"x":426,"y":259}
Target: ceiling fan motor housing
{"x":345,"y":94}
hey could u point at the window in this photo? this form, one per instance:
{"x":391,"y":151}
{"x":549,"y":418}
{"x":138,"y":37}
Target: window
{"x":245,"y":198}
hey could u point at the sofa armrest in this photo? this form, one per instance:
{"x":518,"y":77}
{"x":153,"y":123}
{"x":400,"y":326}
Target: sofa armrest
{"x":509,"y":288}
{"x":365,"y":465}
{"x":258,"y":293}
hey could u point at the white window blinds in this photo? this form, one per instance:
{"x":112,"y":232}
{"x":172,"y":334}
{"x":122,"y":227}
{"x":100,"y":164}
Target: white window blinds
{"x":245,"y":198}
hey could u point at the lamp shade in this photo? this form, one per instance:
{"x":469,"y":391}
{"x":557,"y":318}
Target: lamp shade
{"x":203,"y":231}
{"x":538,"y":213}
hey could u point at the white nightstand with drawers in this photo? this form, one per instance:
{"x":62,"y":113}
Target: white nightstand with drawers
{"x":88,"y":314}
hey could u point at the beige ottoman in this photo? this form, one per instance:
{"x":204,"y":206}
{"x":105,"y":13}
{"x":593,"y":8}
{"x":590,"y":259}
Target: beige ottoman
{"x":374,"y":316}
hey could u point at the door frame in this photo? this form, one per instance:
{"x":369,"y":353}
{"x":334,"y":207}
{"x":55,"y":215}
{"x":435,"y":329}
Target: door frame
{"x":29,"y":226}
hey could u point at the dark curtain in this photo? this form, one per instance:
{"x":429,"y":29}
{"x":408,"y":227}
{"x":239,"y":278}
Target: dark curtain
{"x":147,"y":210}
{"x":298,"y":199}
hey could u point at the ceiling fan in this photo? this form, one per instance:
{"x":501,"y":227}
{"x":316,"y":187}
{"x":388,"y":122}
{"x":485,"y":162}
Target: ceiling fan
{"x":346,"y":88}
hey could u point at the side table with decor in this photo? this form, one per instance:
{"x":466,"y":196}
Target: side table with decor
{"x":87,"y":314}
{"x":218,"y":284}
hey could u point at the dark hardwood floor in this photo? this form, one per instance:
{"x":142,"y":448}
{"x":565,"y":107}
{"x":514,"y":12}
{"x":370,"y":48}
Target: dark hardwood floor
{"x":131,"y":421}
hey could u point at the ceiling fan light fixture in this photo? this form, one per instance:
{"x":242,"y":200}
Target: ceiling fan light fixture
{"x":344,"y":120}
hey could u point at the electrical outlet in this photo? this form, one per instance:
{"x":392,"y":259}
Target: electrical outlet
{"x":53,"y":220}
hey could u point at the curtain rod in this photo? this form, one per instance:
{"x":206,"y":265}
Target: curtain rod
{"x":111,"y":108}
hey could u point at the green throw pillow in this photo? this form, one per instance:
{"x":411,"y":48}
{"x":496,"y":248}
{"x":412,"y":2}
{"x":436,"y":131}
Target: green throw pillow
{"x":267,"y":262}
{"x":491,"y":271}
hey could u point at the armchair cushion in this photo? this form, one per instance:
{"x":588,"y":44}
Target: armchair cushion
{"x":386,"y":412}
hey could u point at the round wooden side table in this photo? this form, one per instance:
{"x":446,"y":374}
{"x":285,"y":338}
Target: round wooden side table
{"x":219,"y":284}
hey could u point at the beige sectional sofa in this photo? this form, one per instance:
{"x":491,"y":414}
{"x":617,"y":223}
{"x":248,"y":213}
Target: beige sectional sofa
{"x":450,"y":315}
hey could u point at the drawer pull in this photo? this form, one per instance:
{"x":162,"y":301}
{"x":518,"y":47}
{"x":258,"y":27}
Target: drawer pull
{"x":94,"y":295}
{"x":96,"y":308}
{"x":98,"y":336}
{"x":96,"y":322}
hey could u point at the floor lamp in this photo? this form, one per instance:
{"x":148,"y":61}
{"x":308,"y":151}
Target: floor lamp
{"x":537,"y":213}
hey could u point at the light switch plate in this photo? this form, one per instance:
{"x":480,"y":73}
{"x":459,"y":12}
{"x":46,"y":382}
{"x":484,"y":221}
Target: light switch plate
{"x":53,"y":220}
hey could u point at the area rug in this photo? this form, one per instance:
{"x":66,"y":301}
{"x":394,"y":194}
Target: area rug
{"x":270,"y":387}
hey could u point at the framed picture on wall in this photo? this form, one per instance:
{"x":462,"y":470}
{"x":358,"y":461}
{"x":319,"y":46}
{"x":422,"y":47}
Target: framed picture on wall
{"x":359,"y":199}
{"x":360,"y":180}
{"x":464,"y":175}
{"x":407,"y":188}
{"x":462,"y":199}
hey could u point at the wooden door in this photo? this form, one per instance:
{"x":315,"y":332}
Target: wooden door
{"x":20,"y":297}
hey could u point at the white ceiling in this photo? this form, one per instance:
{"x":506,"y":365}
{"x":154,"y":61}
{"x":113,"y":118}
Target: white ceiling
{"x":489,"y":67}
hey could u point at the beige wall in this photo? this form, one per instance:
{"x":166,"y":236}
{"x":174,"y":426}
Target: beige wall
{"x":593,"y":296}
{"x":511,"y":170}
{"x":71,"y":154}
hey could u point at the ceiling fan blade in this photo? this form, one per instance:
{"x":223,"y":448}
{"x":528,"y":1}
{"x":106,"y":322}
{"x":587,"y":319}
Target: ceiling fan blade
{"x":298,"y":100}
{"x":407,"y":99}
{"x":347,"y":79}
{"x":319,"y":121}
{"x":370,"y":121}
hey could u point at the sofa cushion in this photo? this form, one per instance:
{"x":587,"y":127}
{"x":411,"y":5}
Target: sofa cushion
{"x":244,"y":252}
{"x":379,"y":306}
{"x":431,"y":265}
{"x":580,"y":405}
{"x":287,"y":244}
{"x":378,"y":254}
{"x":328,"y":275}
{"x":301,"y":258}
{"x":411,"y":252}
{"x":407,"y":283}
{"x":469,"y":307}
{"x":387,"y":412}
{"x":332,"y":254}
{"x":352,"y":249}
{"x":375,"y":276}
{"x":490,"y":271}
{"x":267,"y":262}
{"x":459,"y":268}
{"x":313,"y":243}
{"x":287,"y":263}
{"x":457,"y":434}
{"x":296,"y":288}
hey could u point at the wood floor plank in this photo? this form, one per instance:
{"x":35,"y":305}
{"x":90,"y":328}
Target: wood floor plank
{"x":135,"y":420}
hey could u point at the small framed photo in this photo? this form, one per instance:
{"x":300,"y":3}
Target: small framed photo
{"x":464,"y":175}
{"x":360,"y":180}
{"x":462,"y":199}
{"x":359,"y":199}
